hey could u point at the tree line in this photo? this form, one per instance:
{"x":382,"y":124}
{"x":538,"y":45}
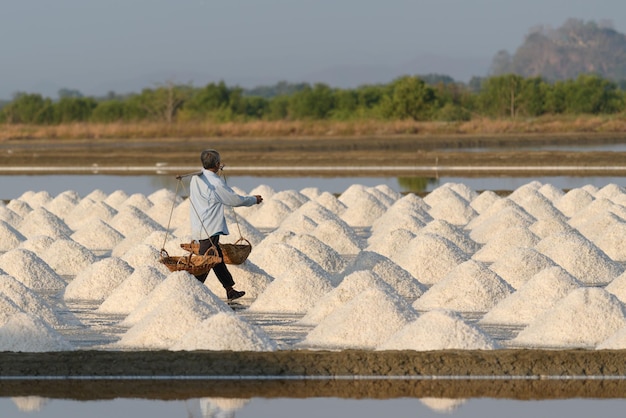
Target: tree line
{"x":419,"y":98}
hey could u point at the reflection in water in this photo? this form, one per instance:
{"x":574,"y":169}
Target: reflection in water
{"x":416,"y":184}
{"x":30,"y":403}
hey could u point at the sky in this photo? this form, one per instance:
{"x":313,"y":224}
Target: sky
{"x":127,"y":45}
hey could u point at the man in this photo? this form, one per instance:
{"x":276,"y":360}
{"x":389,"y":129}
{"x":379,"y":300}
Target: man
{"x":209,"y":194}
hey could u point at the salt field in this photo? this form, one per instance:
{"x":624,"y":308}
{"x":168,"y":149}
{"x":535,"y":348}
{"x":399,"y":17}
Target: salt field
{"x":369,"y":268}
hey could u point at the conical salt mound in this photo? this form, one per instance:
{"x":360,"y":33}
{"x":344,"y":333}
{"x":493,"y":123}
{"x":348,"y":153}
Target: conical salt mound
{"x":36,"y":199}
{"x":168,"y":322}
{"x":462,"y":190}
{"x":321,"y":253}
{"x":299,"y":282}
{"x":595,"y":208}
{"x":469,"y":287}
{"x":552,"y":193}
{"x":269,"y":215}
{"x":42,"y":222}
{"x":429,"y":257}
{"x":536,"y":204}
{"x":164,"y":197}
{"x":141,"y":255}
{"x":96,"y":195}
{"x":30,"y":270}
{"x":484,"y":201}
{"x":439,"y":330}
{"x":390,"y":243}
{"x":63,"y":204}
{"x":98,"y":236}
{"x":128,"y":294}
{"x":390,"y":222}
{"x":37,"y":244}
{"x":10,"y":237}
{"x":607,"y":232}
{"x":504,"y":214}
{"x":447,"y":205}
{"x":395,"y":276}
{"x":518,"y":265}
{"x":10,"y":217}
{"x":29,"y":301}
{"x":364,"y":210}
{"x":618,"y":287}
{"x":87,"y":212}
{"x":98,"y":281}
{"x":540,"y":293}
{"x":131,"y":221}
{"x":19,"y":207}
{"x":67,"y":257}
{"x":352,"y":285}
{"x":580,"y":258}
{"x":339,"y":236}
{"x":116,"y":199}
{"x":573,"y":201}
{"x":312,"y":192}
{"x":330,"y":202}
{"x":313,"y":211}
{"x":616,"y":341}
{"x":292,"y":198}
{"x":499,"y":245}
{"x":546,"y":227}
{"x":225,"y":332}
{"x":177,"y":284}
{"x":364,"y":322}
{"x":139,"y":201}
{"x":612,"y":192}
{"x":453,"y":233}
{"x":25,"y":332}
{"x":583,"y":319}
{"x":248,"y":276}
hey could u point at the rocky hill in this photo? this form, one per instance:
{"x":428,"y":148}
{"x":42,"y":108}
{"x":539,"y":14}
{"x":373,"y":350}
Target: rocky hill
{"x":557,"y":54}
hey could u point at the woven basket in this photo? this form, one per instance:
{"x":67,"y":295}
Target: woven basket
{"x":192,"y":263}
{"x":236,"y":253}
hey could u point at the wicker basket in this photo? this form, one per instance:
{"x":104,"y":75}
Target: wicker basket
{"x":192,"y":263}
{"x":236,"y":253}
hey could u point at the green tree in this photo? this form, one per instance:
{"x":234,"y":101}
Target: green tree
{"x":409,"y":98}
{"x":74,"y":109}
{"x":313,"y":103}
{"x":29,"y":109}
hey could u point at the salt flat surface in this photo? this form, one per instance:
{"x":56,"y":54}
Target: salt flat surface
{"x":370,"y":268}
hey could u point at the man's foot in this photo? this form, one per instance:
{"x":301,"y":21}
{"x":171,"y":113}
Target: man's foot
{"x":233,"y":294}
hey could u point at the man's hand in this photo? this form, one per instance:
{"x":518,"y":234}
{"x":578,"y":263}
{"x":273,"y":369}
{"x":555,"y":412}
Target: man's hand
{"x":259,"y":199}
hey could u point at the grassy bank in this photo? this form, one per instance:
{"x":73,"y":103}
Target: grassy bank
{"x":365,"y":128}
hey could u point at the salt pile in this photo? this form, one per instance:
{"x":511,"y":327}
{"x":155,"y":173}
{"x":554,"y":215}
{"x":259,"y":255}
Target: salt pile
{"x":10,"y":237}
{"x":483,"y":201}
{"x":291,"y":291}
{"x":225,"y":332}
{"x":42,"y":222}
{"x":20,"y":207}
{"x":363,"y":322}
{"x":503,"y":214}
{"x":537,"y":295}
{"x":67,"y":257}
{"x":341,"y":237}
{"x":88,"y":211}
{"x":350,"y":287}
{"x":580,"y":258}
{"x":449,"y":206}
{"x":63,"y":204}
{"x":247,"y":276}
{"x":502,"y":243}
{"x":96,"y":282}
{"x":97,"y":235}
{"x":573,"y":201}
{"x":429,"y":257}
{"x":390,"y":243}
{"x":37,"y":244}
{"x":328,"y":259}
{"x":36,"y":199}
{"x":439,"y":330}
{"x":363,"y":206}
{"x":469,"y":287}
{"x":10,"y":217}
{"x":130,"y":221}
{"x":518,"y":265}
{"x":607,"y":231}
{"x":453,"y":233}
{"x":26,"y":333}
{"x":175,"y":307}
{"x":583,"y":319}
{"x":128,"y":294}
{"x":536,"y":204}
{"x":30,"y":270}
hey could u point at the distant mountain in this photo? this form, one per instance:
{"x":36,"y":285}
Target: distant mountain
{"x":575,"y":48}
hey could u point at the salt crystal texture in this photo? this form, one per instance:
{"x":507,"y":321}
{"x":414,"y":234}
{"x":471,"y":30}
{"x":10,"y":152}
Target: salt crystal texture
{"x":37,"y":244}
{"x":10,"y":237}
{"x":583,"y":319}
{"x":580,"y":258}
{"x":247,"y":276}
{"x":483,"y":201}
{"x":10,"y":217}
{"x":469,"y":287}
{"x":500,"y":244}
{"x":429,"y":257}
{"x":616,"y":341}
{"x":29,"y":269}
{"x":98,"y":236}
{"x":339,"y":236}
{"x":98,"y":281}
{"x":19,"y":207}
{"x":40,"y":221}
{"x":447,"y":205}
{"x":504,"y":214}
{"x":537,"y":205}
{"x":27,"y":333}
{"x":439,"y":330}
{"x":364,"y":322}
{"x":363,"y":210}
{"x":573,"y":201}
{"x":225,"y":332}
{"x":519,"y":264}
{"x":390,"y":243}
{"x":67,"y":257}
{"x":540,"y":293}
{"x":87,"y":212}
{"x":453,"y":233}
{"x":128,"y":294}
{"x":63,"y":204}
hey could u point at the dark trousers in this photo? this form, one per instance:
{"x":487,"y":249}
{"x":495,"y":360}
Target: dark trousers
{"x":221,"y":271}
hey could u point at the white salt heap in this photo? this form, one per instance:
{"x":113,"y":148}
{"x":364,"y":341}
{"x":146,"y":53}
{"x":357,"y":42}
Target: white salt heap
{"x":67,"y":257}
{"x":536,"y":204}
{"x":37,"y":244}
{"x":247,"y":276}
{"x":453,"y":233}
{"x":439,"y":330}
{"x":293,"y":291}
{"x":580,"y":258}
{"x":483,"y":201}
{"x":499,"y":245}
{"x":540,"y":293}
{"x":97,"y":235}
{"x":573,"y":201}
{"x":469,"y":287}
{"x":429,"y":257}
{"x":519,"y":264}
{"x":99,"y":280}
{"x":337,"y":234}
{"x":225,"y":332}
{"x":42,"y":222}
{"x":364,"y":322}
{"x":391,"y":243}
{"x":448,"y":205}
{"x":27,"y":333}
{"x":30,"y":270}
{"x":88,"y":211}
{"x":503,"y":214}
{"x":19,"y":207}
{"x":63,"y":204}
{"x":10,"y":217}
{"x":128,"y":294}
{"x":607,"y":232}
{"x":363,"y":207}
{"x":583,"y":319}
{"x":10,"y":237}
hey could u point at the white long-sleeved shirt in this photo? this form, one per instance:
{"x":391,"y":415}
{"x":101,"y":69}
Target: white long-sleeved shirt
{"x":208,"y":194}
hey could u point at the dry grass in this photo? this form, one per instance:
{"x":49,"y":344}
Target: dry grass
{"x":263,"y":129}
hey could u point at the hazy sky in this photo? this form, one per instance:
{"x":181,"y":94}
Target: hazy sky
{"x":126,"y":45}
